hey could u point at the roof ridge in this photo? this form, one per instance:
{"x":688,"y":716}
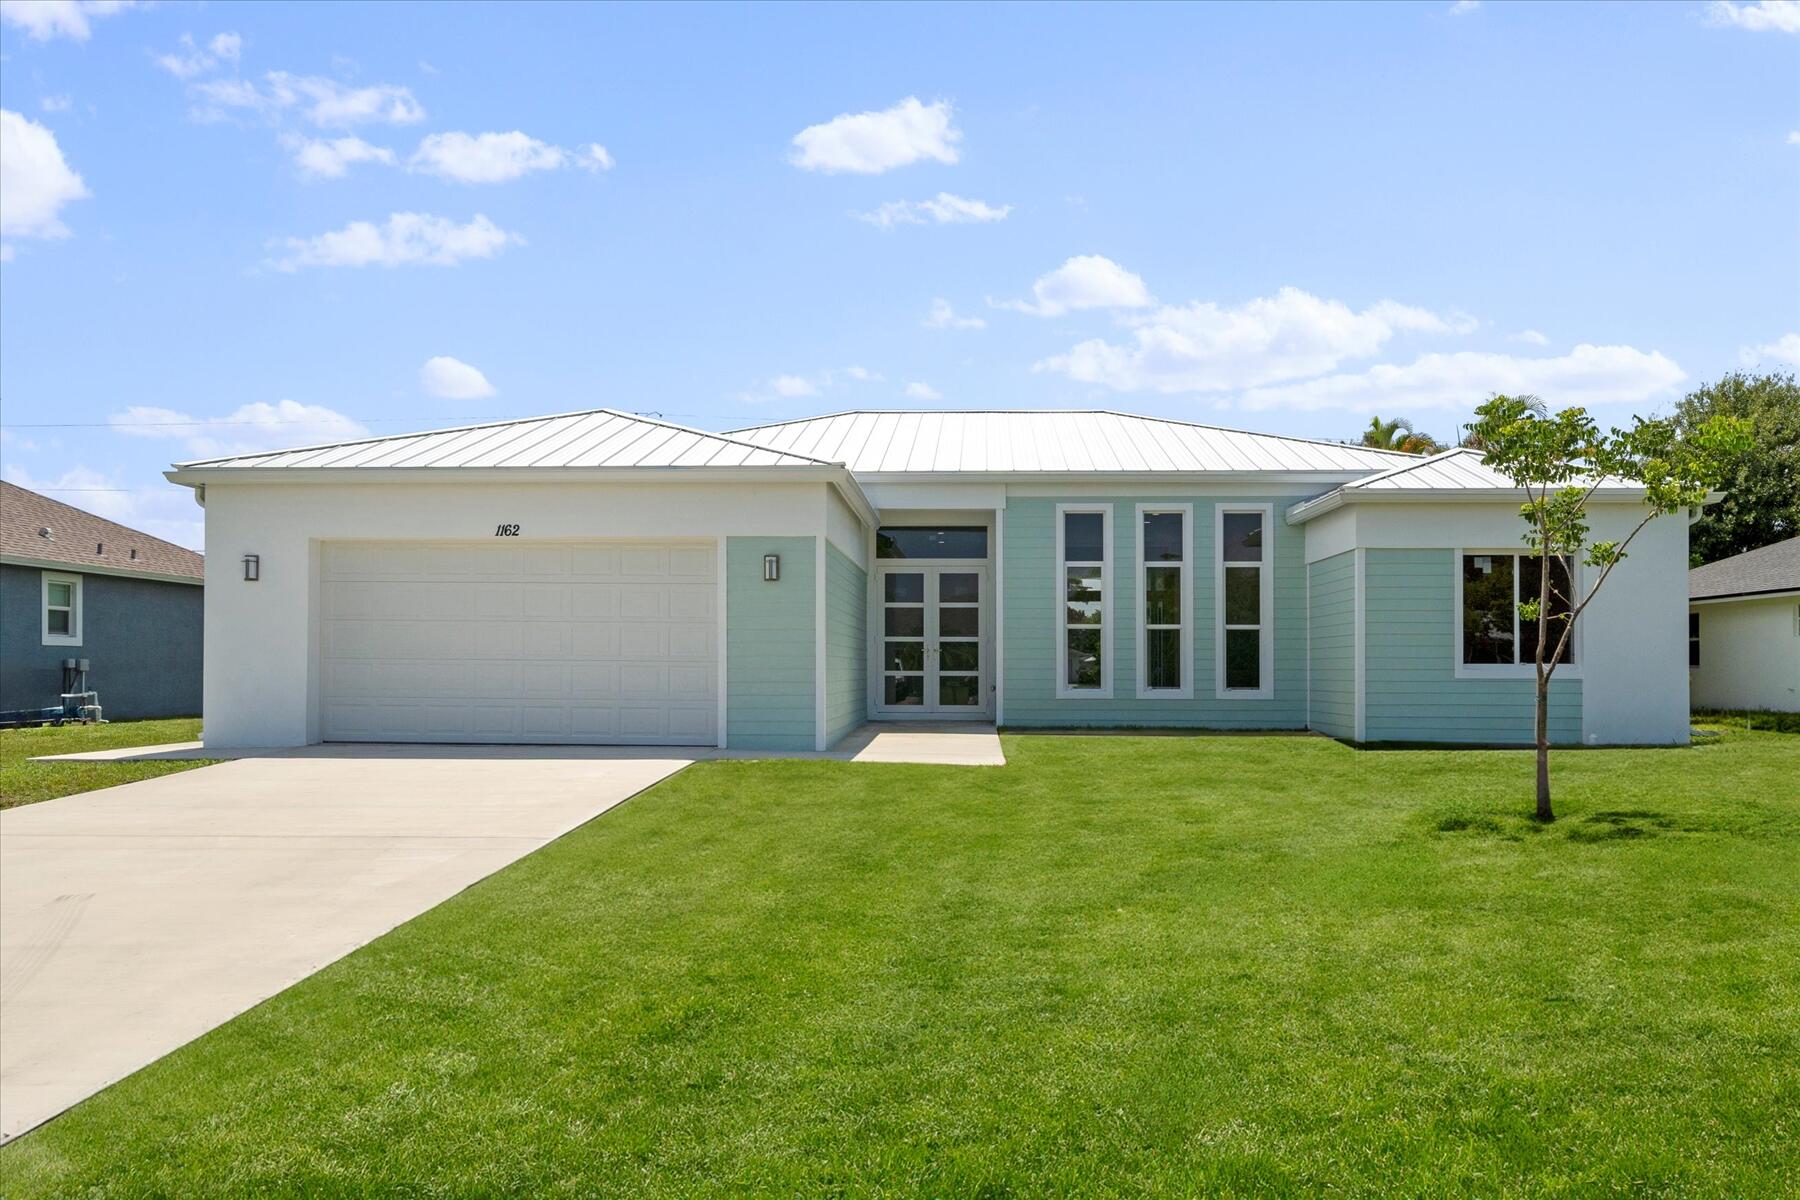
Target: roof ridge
{"x":1403,"y":468}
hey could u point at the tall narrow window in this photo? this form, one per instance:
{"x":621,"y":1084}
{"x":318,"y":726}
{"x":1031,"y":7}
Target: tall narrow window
{"x":1694,"y":639}
{"x":1163,"y":668}
{"x":1493,"y":633}
{"x":1084,"y":564}
{"x":62,"y":610}
{"x":1245,"y":603}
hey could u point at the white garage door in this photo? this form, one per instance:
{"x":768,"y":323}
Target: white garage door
{"x":571,"y":642}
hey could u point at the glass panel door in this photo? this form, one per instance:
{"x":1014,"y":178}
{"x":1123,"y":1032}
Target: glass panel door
{"x":957,"y":654}
{"x":903,"y":639}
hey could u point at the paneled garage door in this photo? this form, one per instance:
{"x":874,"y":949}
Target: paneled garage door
{"x":570,"y":642}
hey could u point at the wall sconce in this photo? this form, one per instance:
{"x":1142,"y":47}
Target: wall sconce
{"x":771,"y":568}
{"x":252,"y":568}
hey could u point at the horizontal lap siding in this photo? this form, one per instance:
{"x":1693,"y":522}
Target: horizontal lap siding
{"x":770,"y":645}
{"x":1411,"y":687}
{"x":846,"y":644}
{"x":1029,"y":551}
{"x":1331,"y":599}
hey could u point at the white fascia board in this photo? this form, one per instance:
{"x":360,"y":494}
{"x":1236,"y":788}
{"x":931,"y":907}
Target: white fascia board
{"x":1307,"y":510}
{"x":1299,"y":480}
{"x":67,"y":568}
{"x":1735,"y":597}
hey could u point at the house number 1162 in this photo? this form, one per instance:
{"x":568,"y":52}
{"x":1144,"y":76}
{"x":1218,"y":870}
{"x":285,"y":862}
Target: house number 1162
{"x":506,"y":531}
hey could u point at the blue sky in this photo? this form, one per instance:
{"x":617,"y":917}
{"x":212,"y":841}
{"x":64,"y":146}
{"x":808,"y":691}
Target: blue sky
{"x":242,"y":226}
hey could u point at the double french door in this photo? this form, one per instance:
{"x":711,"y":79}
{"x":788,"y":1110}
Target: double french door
{"x":933,"y":651}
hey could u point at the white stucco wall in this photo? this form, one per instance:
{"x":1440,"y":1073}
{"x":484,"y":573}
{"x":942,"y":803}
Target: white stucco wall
{"x":1749,"y":655}
{"x":261,"y":686}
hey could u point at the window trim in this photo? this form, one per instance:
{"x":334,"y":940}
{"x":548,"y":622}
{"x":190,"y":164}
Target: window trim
{"x":1266,"y":588}
{"x":73,"y":637}
{"x":1185,"y":690}
{"x":1517,"y":670}
{"x":1059,"y":613}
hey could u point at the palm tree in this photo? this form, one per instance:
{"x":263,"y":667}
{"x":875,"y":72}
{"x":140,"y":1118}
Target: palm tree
{"x":1398,"y":434}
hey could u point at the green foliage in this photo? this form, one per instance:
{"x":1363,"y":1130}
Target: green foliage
{"x":1398,"y":434}
{"x":1762,"y":480}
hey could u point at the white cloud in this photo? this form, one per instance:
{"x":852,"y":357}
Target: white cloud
{"x":319,"y":158}
{"x":594,"y":157}
{"x":793,"y":385}
{"x":1204,"y":346}
{"x":1531,"y":337}
{"x":190,"y":60}
{"x":227,"y":47}
{"x":1587,"y":375}
{"x":35,"y":179}
{"x":943,"y":316}
{"x":162,"y":510}
{"x":942,"y":209}
{"x":324,"y":102}
{"x":247,"y":430}
{"x":869,"y":143}
{"x":923,"y":391}
{"x":406,"y":239}
{"x":452,"y":379}
{"x":1793,"y":137}
{"x":1464,"y":6}
{"x":1785,"y":348}
{"x":45,"y":19}
{"x":860,"y":374}
{"x":485,"y":157}
{"x":1085,"y":281}
{"x":56,"y":104}
{"x":1779,"y":16}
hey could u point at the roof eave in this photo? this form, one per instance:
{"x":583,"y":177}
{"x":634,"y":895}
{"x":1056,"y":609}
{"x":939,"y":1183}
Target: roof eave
{"x":1768,"y":594}
{"x":84,"y":568}
{"x":1318,"y":506}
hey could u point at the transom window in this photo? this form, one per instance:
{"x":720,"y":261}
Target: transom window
{"x":1493,"y":633}
{"x":1165,"y":584}
{"x":1246,"y":603}
{"x":922,"y":541}
{"x":1083,"y":579}
{"x":62,"y":610}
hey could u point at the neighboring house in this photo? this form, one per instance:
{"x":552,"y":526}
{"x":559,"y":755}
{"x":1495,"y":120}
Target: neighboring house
{"x":1744,"y":630}
{"x":602,"y":577}
{"x":77,"y":586}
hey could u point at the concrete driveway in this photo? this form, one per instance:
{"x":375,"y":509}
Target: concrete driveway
{"x":136,"y":918}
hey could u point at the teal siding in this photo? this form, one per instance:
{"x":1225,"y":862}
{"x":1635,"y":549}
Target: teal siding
{"x":1410,"y":682}
{"x":770,"y":645}
{"x":1331,"y":601}
{"x":846,"y":644}
{"x":1029,"y":551}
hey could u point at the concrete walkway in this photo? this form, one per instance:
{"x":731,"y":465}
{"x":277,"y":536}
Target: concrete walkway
{"x":135,"y":918}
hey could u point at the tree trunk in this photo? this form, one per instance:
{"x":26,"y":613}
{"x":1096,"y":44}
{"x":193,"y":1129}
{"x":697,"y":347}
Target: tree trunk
{"x":1544,"y":813}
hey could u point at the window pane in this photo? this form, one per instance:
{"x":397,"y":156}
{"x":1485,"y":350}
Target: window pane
{"x":903,"y":689}
{"x":960,"y":656}
{"x":1083,"y":584}
{"x":906,"y":622}
{"x":905,"y":656}
{"x":959,"y":622}
{"x":59,"y":621}
{"x":1243,"y":658}
{"x":1162,"y":658}
{"x":59,"y":595}
{"x":1083,"y":537}
{"x":1162,"y":596}
{"x":1487,"y":608}
{"x":961,"y":691}
{"x":953,"y":541}
{"x":1082,"y":669}
{"x":1242,"y":537}
{"x":1162,"y":537}
{"x":1243,"y":595}
{"x":908,"y":588}
{"x":1081,"y":614}
{"x":1693,"y":639}
{"x":1560,"y":592}
{"x":960,"y":587}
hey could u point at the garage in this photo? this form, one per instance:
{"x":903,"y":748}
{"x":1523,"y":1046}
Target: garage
{"x":516,"y":641}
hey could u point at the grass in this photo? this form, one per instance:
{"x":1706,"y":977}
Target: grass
{"x":1748,"y":719}
{"x":26,"y":782}
{"x":1116,"y":967}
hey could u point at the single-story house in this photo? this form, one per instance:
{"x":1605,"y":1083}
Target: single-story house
{"x":1744,"y":630}
{"x":75,"y":587}
{"x":601,"y":577}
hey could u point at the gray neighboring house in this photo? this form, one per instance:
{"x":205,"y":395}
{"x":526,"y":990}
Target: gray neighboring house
{"x":1744,"y":630}
{"x":74,"y":585}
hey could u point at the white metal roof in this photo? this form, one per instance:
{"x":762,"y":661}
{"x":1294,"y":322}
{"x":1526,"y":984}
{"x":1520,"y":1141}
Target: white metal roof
{"x":1059,"y":442}
{"x":600,"y":438}
{"x":1455,"y":474}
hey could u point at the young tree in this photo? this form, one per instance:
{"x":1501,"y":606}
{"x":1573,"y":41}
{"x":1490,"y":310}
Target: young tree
{"x":1559,"y":460}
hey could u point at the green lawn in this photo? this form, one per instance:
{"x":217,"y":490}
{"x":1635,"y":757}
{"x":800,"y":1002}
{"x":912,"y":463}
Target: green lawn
{"x":25,"y":782}
{"x":1118,"y":966}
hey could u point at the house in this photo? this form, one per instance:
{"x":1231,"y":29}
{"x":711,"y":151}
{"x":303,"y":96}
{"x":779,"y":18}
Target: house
{"x":74,"y":586}
{"x":603,"y":577}
{"x":1744,"y":630}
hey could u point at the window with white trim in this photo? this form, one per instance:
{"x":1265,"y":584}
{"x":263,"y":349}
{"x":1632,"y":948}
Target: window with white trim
{"x":1492,"y":586}
{"x":1246,"y":599}
{"x":62,"y":609}
{"x":1083,"y":578}
{"x":1165,"y":583}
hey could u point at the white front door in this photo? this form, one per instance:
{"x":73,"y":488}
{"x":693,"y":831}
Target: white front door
{"x":933,"y":642}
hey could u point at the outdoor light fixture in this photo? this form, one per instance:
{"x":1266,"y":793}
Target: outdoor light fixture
{"x":252,"y":568}
{"x":771,"y":568}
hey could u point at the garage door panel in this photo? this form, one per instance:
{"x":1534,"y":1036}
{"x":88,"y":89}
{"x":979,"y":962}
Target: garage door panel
{"x":579,"y":642}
